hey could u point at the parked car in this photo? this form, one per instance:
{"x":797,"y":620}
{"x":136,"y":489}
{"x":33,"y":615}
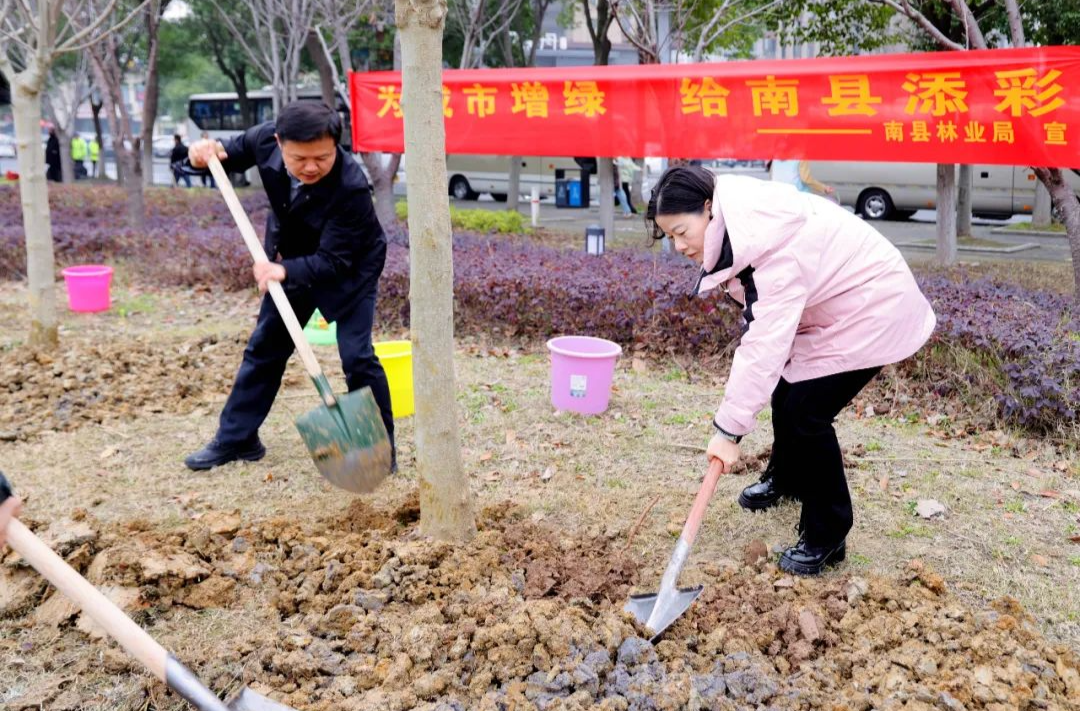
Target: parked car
{"x":7,"y":146}
{"x":888,"y":191}
{"x":163,"y":146}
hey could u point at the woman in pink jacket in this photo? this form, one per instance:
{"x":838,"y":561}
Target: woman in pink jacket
{"x":827,"y":302}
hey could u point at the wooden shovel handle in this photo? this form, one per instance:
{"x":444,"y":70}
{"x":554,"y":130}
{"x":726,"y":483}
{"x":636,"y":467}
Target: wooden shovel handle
{"x":101,"y":610}
{"x":701,"y":503}
{"x":277,"y":293}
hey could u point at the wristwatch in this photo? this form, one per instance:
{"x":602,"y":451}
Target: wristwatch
{"x":725,"y":434}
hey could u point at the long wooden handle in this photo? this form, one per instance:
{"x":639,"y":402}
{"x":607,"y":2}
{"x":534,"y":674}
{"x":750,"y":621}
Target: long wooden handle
{"x":101,"y":610}
{"x":701,"y":503}
{"x":296,"y":331}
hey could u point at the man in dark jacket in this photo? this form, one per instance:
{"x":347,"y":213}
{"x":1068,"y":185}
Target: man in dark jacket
{"x":176,"y":161}
{"x":328,"y":251}
{"x":52,"y":157}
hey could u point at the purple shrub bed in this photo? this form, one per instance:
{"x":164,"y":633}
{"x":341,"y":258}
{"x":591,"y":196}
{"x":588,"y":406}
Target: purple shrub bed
{"x":1026,"y":341}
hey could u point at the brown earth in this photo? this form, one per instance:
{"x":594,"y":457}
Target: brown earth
{"x":358,"y":612}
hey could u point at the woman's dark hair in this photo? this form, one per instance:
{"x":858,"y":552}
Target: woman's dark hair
{"x":305,"y":121}
{"x":681,"y":189}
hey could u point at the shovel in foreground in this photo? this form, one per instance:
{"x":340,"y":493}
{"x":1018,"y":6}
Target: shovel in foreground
{"x":658,"y":611}
{"x":120,"y":627}
{"x":346,"y":436}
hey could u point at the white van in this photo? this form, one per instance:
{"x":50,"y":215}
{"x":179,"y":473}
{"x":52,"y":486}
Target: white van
{"x":471,"y":175}
{"x":888,"y":191}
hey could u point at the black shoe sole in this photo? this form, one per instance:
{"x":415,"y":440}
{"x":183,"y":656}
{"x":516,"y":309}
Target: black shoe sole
{"x":249,"y":456}
{"x":790,"y":566}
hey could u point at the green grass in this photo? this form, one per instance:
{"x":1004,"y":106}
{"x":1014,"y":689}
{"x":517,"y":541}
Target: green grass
{"x":1071,"y":506}
{"x":679,"y":419}
{"x":1016,"y":507}
{"x":140,"y":304}
{"x":1027,"y":226}
{"x":874,"y":446}
{"x":858,"y":559}
{"x":1012,"y":541}
{"x":615,"y":483}
{"x":1075,"y":560}
{"x":911,"y":530}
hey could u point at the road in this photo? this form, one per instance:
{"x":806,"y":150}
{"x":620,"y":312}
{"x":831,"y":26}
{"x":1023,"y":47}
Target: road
{"x":162,"y":174}
{"x":921,"y":227}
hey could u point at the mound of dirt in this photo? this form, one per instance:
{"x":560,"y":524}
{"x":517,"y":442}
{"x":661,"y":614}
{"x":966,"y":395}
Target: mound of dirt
{"x":357,"y":612}
{"x":89,"y":382}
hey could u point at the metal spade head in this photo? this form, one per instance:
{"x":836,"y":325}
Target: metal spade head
{"x":348,"y":441}
{"x":644,"y":608}
{"x":248,"y":700}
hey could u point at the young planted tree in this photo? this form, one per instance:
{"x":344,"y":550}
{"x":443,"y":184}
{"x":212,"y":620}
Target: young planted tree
{"x":109,"y":76}
{"x":446,"y":510}
{"x":32,"y":36}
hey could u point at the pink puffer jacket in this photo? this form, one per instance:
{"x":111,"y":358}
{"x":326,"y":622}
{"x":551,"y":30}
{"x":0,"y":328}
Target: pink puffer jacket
{"x":823,"y":291}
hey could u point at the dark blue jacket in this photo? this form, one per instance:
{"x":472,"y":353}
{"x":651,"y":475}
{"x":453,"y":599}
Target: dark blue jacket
{"x":329,"y":239}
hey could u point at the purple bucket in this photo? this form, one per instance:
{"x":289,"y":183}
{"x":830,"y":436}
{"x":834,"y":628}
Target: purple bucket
{"x":582,"y":368}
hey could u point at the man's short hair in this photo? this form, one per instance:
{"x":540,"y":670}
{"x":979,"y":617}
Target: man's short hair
{"x":305,"y":121}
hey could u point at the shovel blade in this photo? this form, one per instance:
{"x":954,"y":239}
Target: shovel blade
{"x":348,"y":442}
{"x":642,"y":607}
{"x":248,"y":700}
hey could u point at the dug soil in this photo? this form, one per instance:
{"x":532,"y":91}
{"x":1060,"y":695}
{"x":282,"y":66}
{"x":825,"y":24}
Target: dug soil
{"x":356,"y":611}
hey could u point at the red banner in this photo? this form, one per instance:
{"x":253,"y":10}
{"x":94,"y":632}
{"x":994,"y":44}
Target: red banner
{"x":1009,"y":106}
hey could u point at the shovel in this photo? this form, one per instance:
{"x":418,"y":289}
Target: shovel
{"x":120,"y":627}
{"x":346,"y":435}
{"x":657,"y":611}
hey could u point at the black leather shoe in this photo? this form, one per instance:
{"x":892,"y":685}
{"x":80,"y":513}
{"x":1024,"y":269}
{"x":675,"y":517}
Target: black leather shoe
{"x":215,"y":454}
{"x":762,"y":495}
{"x":806,"y":559}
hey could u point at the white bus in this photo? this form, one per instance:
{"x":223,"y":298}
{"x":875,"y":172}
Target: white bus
{"x":219,"y":114}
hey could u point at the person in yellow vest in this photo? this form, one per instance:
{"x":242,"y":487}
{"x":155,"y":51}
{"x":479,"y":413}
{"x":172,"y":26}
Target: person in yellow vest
{"x":78,"y":155}
{"x":95,"y":156}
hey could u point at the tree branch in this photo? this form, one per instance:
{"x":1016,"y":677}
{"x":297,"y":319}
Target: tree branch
{"x":1016,"y":23}
{"x":904,"y":8}
{"x":74,"y":43}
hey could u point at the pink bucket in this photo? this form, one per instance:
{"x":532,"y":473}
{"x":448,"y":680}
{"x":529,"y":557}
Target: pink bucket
{"x":581,"y":371}
{"x":88,"y":287}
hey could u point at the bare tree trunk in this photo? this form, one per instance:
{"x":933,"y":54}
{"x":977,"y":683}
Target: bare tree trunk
{"x":1043,"y":213}
{"x":638,"y":183}
{"x":108,"y":74}
{"x":382,"y":184}
{"x":34,"y":196}
{"x":946,"y":214}
{"x":963,"y":201}
{"x":95,"y":110}
{"x":1068,"y":208}
{"x":314,"y":47}
{"x":67,"y":163}
{"x":513,"y":193}
{"x":150,"y":100}
{"x":605,"y":183}
{"x":446,"y":510}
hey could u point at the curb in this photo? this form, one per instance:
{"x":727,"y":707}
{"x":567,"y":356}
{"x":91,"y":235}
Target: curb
{"x":1029,"y":233}
{"x":989,"y":250}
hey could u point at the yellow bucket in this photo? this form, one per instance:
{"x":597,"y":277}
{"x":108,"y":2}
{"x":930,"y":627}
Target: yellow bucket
{"x":396,"y":359}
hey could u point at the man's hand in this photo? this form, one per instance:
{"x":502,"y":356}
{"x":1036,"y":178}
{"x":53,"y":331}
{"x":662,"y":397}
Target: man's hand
{"x":8,"y":510}
{"x":725,"y":450}
{"x":200,"y":151}
{"x":266,"y":272}
{"x":829,"y":190}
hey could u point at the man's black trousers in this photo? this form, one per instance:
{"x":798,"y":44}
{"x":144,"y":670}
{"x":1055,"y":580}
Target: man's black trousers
{"x":269,"y":350}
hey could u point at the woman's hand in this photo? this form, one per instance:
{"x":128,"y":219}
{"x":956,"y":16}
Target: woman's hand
{"x":725,"y":450}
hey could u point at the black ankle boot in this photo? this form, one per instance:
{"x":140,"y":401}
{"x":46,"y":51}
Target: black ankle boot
{"x":215,"y":454}
{"x":804,"y":558}
{"x":764,"y":494}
